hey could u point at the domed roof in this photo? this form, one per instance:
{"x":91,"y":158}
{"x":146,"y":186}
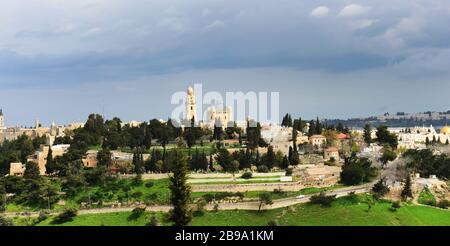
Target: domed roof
{"x":445,"y":130}
{"x":190,"y":90}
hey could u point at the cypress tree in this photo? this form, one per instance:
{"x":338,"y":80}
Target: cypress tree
{"x":407,"y":192}
{"x":180,"y":191}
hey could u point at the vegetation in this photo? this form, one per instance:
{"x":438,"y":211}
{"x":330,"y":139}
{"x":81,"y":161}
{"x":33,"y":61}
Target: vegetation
{"x":344,"y":211}
{"x":357,"y":170}
{"x":380,"y":188}
{"x":322,"y":199}
{"x":426,"y":163}
{"x":180,"y":191}
{"x":427,"y":198}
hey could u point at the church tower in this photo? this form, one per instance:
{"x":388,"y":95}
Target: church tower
{"x":2,"y":120}
{"x":191,"y":108}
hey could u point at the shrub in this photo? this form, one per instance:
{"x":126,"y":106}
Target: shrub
{"x":200,"y":209}
{"x":262,"y":169}
{"x":153,"y":221}
{"x":444,"y":204}
{"x":427,"y":198}
{"x":395,"y":205}
{"x":216,"y":207}
{"x":247,"y":175}
{"x":5,"y":221}
{"x":65,"y":216}
{"x":136,"y":195}
{"x":289,"y":172}
{"x":149,"y":184}
{"x":279,"y":191}
{"x":323,"y":200}
{"x":136,"y":213}
{"x":272,"y":223}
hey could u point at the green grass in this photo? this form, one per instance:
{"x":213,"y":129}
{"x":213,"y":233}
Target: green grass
{"x":276,"y":195}
{"x":109,"y":219}
{"x":342,"y":213}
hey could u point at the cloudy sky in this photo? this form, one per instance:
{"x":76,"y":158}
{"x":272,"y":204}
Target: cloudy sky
{"x":63,"y":59}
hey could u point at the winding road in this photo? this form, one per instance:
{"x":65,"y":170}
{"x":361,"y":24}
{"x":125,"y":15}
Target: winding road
{"x":251,"y":205}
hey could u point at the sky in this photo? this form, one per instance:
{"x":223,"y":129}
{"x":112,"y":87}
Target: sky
{"x":63,"y":59}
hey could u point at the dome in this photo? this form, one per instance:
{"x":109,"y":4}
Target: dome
{"x":445,"y":130}
{"x":190,"y":91}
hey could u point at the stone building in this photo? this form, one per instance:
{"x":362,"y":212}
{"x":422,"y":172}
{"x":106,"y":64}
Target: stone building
{"x":317,"y":140}
{"x":331,"y":153}
{"x":16,"y":169}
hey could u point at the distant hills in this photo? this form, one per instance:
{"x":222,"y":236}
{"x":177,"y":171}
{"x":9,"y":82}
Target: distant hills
{"x":399,"y":119}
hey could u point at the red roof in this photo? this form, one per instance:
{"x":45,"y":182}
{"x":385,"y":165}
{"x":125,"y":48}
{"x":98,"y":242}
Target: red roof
{"x":342,"y":136}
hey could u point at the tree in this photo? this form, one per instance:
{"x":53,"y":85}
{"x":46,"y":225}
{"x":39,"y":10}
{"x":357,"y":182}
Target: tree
{"x":388,"y":155}
{"x":380,"y":188}
{"x":407,"y":192}
{"x":446,"y":142}
{"x":138,"y":161}
{"x":264,"y":199}
{"x":104,"y":157}
{"x":357,"y":170}
{"x":294,"y":160}
{"x":285,"y":163}
{"x":225,"y":160}
{"x":31,"y":171}
{"x":368,"y":134}
{"x":385,"y":137}
{"x":287,"y":121}
{"x":50,"y":167}
{"x":427,"y":141}
{"x":269,"y":158}
{"x":180,"y":191}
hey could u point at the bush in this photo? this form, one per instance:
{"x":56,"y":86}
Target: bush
{"x":247,"y":175}
{"x":136,"y":195}
{"x":427,"y":198}
{"x":136,"y":213}
{"x":43,"y":215}
{"x":444,"y":204}
{"x":65,"y":216}
{"x":395,"y":205}
{"x":5,"y":221}
{"x":323,"y":200}
{"x":153,"y":221}
{"x":200,"y":209}
{"x":262,"y":169}
{"x":272,"y":223}
{"x":149,"y":184}
{"x":289,"y":172}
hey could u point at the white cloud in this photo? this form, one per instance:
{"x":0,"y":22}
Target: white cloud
{"x":361,"y":24}
{"x":215,"y":24}
{"x":353,"y":10}
{"x":320,"y":11}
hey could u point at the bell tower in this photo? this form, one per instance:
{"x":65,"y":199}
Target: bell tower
{"x":2,"y":120}
{"x":191,"y":108}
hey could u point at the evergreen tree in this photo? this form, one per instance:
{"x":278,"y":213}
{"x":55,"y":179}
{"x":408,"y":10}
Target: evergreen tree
{"x":318,"y":126}
{"x":407,"y":192}
{"x":31,"y":171}
{"x":294,"y":160}
{"x":50,"y":167}
{"x":368,"y":134}
{"x":285,"y":163}
{"x":427,"y":141}
{"x":180,"y":191}
{"x":312,"y":128}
